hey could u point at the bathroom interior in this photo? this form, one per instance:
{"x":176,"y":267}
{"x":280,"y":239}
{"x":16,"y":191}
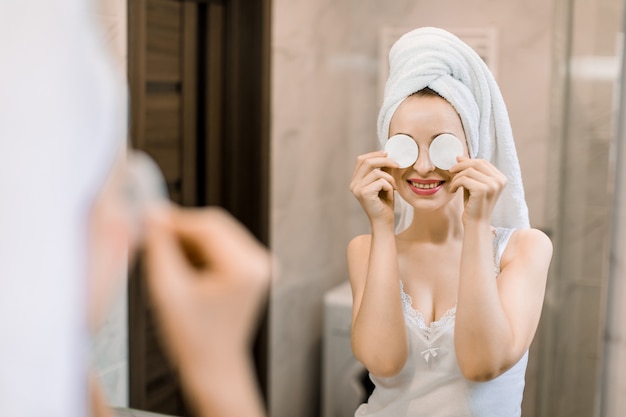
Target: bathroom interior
{"x":317,"y":68}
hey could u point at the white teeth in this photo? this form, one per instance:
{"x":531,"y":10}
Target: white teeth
{"x":426,"y":186}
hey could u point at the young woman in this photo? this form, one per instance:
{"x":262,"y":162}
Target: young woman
{"x":446,"y":308}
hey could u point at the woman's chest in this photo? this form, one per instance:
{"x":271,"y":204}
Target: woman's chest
{"x":430,"y":278}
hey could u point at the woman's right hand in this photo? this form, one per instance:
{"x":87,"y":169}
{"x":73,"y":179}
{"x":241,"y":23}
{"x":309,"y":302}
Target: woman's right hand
{"x":209,"y":279}
{"x":373,"y":186}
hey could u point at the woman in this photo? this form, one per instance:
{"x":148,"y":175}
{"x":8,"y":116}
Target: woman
{"x":445,"y":310}
{"x":207,"y":277}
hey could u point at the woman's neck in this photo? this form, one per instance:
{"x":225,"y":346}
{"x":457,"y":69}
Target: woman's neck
{"x":437,"y":226}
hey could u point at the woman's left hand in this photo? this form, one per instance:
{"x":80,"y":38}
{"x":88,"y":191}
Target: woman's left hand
{"x":482,"y":183}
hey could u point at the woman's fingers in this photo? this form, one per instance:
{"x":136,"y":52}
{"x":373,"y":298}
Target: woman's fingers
{"x":374,"y":160}
{"x":373,"y":186}
{"x":482,"y":183}
{"x":373,"y":176}
{"x":165,"y":260}
{"x":480,"y":170}
{"x":369,"y":167}
{"x":475,"y":174}
{"x":481,"y":165}
{"x":387,"y":189}
{"x":192,"y":249}
{"x":208,"y":277}
{"x":220,"y":242}
{"x":373,"y":190}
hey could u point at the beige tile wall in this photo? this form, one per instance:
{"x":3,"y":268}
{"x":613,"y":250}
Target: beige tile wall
{"x":579,"y":208}
{"x":614,"y":381}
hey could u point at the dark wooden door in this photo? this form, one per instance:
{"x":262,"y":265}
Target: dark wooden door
{"x":198,"y":75}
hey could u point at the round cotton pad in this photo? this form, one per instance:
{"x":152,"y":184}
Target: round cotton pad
{"x":145,"y":179}
{"x":444,"y":149}
{"x":402,"y":150}
{"x":146,"y":187}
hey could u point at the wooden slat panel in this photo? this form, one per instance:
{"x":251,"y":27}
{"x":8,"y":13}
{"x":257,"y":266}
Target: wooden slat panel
{"x":163,"y":120}
{"x":156,"y":100}
{"x":137,"y":69}
{"x":189,"y":173}
{"x":190,"y":97}
{"x":215,"y":40}
{"x":163,"y":11}
{"x":163,"y":41}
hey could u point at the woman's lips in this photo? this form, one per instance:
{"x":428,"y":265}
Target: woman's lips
{"x":425,"y":187}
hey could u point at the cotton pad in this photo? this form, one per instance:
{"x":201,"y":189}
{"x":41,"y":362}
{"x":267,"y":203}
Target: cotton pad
{"x":146,"y":179}
{"x":402,"y":150}
{"x":444,"y":149}
{"x":146,"y":187}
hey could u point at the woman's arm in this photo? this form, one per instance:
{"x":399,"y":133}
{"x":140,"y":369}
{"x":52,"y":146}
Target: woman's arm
{"x":379,"y":338}
{"x":496,"y":317}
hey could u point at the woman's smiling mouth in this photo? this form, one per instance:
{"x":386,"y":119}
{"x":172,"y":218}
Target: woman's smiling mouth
{"x":425,"y":187}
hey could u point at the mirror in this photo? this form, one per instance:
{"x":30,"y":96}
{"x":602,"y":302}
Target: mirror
{"x":558,"y":67}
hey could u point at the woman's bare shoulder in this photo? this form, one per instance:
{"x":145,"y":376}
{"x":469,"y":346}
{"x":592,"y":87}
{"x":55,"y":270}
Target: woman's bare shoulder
{"x":532,"y":238}
{"x":359,"y":244}
{"x":528,"y":244}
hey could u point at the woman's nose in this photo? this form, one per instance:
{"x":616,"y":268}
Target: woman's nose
{"x":423,"y":164}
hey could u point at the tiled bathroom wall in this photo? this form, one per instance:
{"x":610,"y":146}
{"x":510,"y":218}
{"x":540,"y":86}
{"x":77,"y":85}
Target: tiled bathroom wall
{"x":614,"y":377}
{"x":324,"y":99}
{"x":579,"y":207}
{"x":110,"y":345}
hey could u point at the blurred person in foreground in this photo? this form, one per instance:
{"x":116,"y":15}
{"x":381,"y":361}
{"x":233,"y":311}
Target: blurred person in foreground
{"x":66,"y":230}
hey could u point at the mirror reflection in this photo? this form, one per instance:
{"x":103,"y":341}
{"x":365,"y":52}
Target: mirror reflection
{"x":263,"y":108}
{"x":558,"y":76}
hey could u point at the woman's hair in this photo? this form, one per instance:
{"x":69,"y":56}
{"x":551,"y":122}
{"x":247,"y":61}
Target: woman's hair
{"x":427,"y":91}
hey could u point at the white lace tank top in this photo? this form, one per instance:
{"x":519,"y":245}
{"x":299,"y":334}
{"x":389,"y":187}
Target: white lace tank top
{"x":431,"y":383}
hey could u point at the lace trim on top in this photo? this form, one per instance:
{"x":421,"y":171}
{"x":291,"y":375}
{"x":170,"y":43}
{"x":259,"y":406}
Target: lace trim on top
{"x":418,"y":317}
{"x":501,"y":237}
{"x":431,"y":331}
{"x":428,"y":333}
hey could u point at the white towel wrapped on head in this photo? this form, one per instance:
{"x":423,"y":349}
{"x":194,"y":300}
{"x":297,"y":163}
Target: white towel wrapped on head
{"x":434,"y":58}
